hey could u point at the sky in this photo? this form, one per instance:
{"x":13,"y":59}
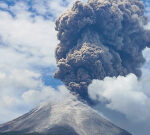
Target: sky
{"x":27,"y":64}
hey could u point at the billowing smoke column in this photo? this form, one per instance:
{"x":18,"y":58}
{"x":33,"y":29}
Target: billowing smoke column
{"x":100,"y":38}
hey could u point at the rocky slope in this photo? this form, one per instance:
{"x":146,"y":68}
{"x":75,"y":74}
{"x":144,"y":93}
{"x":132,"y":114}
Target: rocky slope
{"x":70,"y":117}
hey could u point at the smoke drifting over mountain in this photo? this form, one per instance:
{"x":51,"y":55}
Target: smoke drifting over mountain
{"x":100,"y":38}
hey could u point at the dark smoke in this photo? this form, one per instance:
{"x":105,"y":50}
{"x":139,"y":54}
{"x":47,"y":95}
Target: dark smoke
{"x":100,"y":38}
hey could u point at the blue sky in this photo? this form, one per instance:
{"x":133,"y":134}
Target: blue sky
{"x":27,"y":61}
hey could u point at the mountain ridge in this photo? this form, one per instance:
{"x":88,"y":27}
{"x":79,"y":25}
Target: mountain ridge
{"x":70,"y":117}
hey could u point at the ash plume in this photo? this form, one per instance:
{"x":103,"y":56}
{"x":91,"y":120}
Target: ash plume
{"x":100,"y":38}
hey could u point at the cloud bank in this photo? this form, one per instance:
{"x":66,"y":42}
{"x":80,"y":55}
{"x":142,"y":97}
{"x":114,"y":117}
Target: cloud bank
{"x":123,"y":94}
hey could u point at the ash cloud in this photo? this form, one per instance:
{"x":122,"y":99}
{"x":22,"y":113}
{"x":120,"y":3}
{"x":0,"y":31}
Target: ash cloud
{"x":100,"y":38}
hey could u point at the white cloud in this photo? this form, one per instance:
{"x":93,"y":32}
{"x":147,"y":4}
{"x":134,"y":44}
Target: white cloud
{"x":123,"y":94}
{"x":53,"y":7}
{"x":147,"y":8}
{"x":34,"y":37}
{"x":3,"y":5}
{"x":18,"y":80}
{"x":146,"y":54}
{"x":147,"y":26}
{"x":34,"y":97}
{"x":22,"y":90}
{"x":12,"y":85}
{"x":25,"y":43}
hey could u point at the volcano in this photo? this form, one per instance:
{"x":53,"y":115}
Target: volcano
{"x":70,"y":117}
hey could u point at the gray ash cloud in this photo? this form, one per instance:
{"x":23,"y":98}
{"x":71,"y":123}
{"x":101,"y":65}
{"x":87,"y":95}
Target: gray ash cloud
{"x":100,"y":38}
